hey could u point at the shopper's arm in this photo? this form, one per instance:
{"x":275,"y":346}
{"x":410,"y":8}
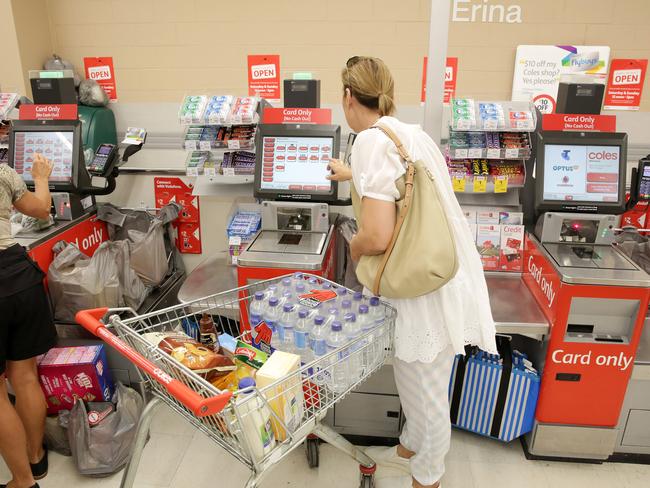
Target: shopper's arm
{"x":340,"y":171}
{"x":376,"y":231}
{"x":38,"y":203}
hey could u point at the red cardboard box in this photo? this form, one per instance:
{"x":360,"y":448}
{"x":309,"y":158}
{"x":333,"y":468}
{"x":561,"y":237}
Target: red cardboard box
{"x":71,"y":373}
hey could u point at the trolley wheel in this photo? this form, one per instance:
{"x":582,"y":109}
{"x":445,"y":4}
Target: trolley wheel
{"x":367,"y":481}
{"x":312,"y":452}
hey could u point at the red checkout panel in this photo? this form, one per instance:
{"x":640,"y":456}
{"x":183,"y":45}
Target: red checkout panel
{"x":593,"y":295}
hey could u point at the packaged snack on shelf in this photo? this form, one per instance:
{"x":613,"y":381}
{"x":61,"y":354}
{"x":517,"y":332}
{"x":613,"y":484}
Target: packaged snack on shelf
{"x":192,"y":109}
{"x":195,"y":162}
{"x":522,"y":120}
{"x":512,"y":247}
{"x":238,"y":163}
{"x":218,"y":109}
{"x":511,"y":218}
{"x":487,"y":217}
{"x":491,"y":115}
{"x":243,"y":110}
{"x":286,"y":398}
{"x":70,"y":373}
{"x":513,"y":170}
{"x":488,"y":238}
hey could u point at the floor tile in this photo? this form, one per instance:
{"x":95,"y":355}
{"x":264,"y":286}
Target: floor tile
{"x":578,"y":475}
{"x":458,"y":475}
{"x":168,"y":421}
{"x":633,"y":475}
{"x":161,"y":458}
{"x":509,"y":475}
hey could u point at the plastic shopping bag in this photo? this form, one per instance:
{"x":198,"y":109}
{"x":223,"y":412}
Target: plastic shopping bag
{"x":133,"y":290}
{"x":105,"y":448}
{"x":77,"y":282}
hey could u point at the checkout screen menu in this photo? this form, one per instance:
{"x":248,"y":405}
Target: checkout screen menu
{"x":296,"y":163}
{"x":581,"y":173}
{"x":55,"y":146}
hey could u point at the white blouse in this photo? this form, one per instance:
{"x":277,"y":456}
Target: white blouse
{"x":459,"y":313}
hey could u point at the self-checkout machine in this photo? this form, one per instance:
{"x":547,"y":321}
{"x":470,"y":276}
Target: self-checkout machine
{"x":291,"y":180}
{"x":594,"y":297}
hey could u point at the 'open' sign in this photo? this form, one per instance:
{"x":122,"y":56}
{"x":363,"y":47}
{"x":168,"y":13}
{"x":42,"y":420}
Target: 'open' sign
{"x":263,"y":71}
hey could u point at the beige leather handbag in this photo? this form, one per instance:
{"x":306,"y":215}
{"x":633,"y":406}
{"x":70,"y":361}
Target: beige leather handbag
{"x":421,"y":256}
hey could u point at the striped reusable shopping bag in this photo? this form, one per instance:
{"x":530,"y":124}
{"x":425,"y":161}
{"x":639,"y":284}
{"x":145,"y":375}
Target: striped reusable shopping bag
{"x":494,"y":395}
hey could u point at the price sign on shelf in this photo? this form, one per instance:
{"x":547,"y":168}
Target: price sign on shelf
{"x":461,"y":153}
{"x":474,"y":152}
{"x":493,"y":153}
{"x":229,"y":171}
{"x":204,"y":145}
{"x":512,"y":153}
{"x":234,"y":144}
{"x":490,"y":124}
{"x":500,"y":184}
{"x":458,"y":182}
{"x":480,"y":184}
{"x":234,"y":241}
{"x":463,"y":124}
{"x":210,"y":171}
{"x":190,"y":145}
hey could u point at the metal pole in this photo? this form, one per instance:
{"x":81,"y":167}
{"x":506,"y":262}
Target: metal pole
{"x":438,"y":35}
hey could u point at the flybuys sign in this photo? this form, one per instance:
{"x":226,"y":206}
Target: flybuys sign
{"x":488,"y":11}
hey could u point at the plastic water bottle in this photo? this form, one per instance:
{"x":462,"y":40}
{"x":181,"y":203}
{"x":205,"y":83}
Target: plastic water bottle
{"x":367,"y":325}
{"x":332,"y":315}
{"x":341,"y":296}
{"x":318,"y":338}
{"x":257,"y":305}
{"x":296,"y":278}
{"x":318,"y":331}
{"x":271,"y":291}
{"x":301,"y":333}
{"x":300,"y":289}
{"x":276,"y":340}
{"x":357,"y":299}
{"x":272,"y":311}
{"x":352,"y":333}
{"x":287,"y":297}
{"x":345,"y":307}
{"x":339,"y":370}
{"x":254,"y":319}
{"x":313,"y":283}
{"x":285,"y":327}
{"x":286,"y":286}
{"x":376,"y":312}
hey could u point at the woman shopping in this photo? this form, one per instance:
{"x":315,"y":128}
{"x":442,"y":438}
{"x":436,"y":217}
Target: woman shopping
{"x":430,"y":328}
{"x":26,"y":330}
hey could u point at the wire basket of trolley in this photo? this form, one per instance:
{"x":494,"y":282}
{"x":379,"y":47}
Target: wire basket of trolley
{"x":289,"y":349}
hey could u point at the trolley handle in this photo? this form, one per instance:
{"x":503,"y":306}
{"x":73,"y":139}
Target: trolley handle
{"x":201,"y":407}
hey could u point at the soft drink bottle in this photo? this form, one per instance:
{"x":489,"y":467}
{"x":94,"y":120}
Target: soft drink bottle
{"x":339,"y":370}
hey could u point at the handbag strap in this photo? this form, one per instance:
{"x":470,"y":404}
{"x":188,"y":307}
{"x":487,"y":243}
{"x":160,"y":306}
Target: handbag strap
{"x":406,"y":205}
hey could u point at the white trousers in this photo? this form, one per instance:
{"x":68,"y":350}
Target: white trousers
{"x":423,"y":392}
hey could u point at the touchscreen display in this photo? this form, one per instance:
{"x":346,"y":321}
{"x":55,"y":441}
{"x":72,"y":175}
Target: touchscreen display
{"x":581,"y":173}
{"x":55,"y":146}
{"x":296,"y":164}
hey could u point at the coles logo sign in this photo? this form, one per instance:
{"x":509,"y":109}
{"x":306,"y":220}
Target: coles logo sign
{"x":626,"y":77}
{"x":263,"y":72}
{"x":602,"y":156}
{"x":99,"y":73}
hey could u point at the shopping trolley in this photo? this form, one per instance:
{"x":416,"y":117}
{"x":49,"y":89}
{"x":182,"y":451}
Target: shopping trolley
{"x":221,"y":415}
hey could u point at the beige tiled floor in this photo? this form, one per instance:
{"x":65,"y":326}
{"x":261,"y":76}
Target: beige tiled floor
{"x":179,"y":457}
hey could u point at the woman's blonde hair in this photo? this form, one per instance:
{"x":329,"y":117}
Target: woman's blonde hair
{"x":370,"y":82}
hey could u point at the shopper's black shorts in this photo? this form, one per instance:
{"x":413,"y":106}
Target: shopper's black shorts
{"x":26,"y":325}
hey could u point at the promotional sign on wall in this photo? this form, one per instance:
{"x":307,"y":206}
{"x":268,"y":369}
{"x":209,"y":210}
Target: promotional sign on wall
{"x":538,"y":70}
{"x":264,"y":76}
{"x":451,"y":74}
{"x":101,"y":70}
{"x":188,"y":224}
{"x":625,"y":84}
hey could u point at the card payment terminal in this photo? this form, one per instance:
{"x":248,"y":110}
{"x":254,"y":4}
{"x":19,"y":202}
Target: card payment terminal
{"x":104,"y":160}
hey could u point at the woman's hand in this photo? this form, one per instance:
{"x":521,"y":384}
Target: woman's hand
{"x":340,"y":171}
{"x":354,"y":250}
{"x":41,"y":168}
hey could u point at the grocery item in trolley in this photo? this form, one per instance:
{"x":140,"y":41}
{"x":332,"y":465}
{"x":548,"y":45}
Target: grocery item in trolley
{"x":215,"y":368}
{"x":256,"y":420}
{"x":248,"y":359}
{"x":286,"y":397}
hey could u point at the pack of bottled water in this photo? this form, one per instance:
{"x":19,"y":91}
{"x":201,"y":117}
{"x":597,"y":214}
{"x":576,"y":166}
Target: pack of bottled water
{"x":313,"y":319}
